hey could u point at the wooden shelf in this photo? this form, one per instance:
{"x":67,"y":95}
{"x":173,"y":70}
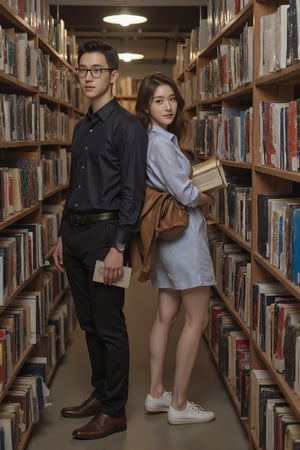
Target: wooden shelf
{"x":35,"y":149}
{"x":282,"y":85}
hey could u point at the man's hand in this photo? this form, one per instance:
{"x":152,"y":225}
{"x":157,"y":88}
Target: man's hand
{"x":113,"y":266}
{"x":58,"y":256}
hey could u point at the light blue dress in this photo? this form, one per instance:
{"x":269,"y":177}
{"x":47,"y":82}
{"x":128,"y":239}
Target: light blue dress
{"x":184,"y":262}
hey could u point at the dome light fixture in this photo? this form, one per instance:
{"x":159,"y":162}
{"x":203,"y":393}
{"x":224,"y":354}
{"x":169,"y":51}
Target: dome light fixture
{"x":125,"y":19}
{"x":128,"y":57}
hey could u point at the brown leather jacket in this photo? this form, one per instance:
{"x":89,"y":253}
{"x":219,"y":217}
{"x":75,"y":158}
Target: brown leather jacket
{"x":155,"y":221}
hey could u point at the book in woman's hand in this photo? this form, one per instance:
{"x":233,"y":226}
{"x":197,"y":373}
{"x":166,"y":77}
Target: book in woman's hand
{"x":209,"y":175}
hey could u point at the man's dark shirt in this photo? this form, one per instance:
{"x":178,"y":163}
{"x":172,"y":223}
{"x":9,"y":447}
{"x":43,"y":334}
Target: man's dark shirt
{"x":108,"y":166}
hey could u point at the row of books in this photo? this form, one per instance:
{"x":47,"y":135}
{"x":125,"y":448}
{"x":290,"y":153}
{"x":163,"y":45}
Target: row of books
{"x":54,"y":80}
{"x":276,"y":328}
{"x":37,"y":15}
{"x":23,"y":249}
{"x":235,"y":204}
{"x":280,"y":134}
{"x":189,"y":90}
{"x":126,"y":86}
{"x":234,"y":65}
{"x":188,"y":50}
{"x":18,"y":329}
{"x":60,"y":324}
{"x":26,"y":183}
{"x":275,"y":424}
{"x":29,"y":394}
{"x":275,"y":314}
{"x":21,"y":254}
{"x":275,"y":325}
{"x":18,"y":56}
{"x":54,"y":284}
{"x":56,"y":331}
{"x":227,"y":133}
{"x":54,"y":125}
{"x":54,"y":166}
{"x":220,"y":12}
{"x":230,"y":347}
{"x":276,"y":320}
{"x":22,"y":119}
{"x":213,"y":17}
{"x":21,"y":59}
{"x":51,"y":220}
{"x":20,"y":408}
{"x":233,"y":274}
{"x":278,"y":232}
{"x":279,"y":41}
{"x":18,"y":118}
{"x":182,"y":58}
{"x":28,"y":317}
{"x":232,"y":68}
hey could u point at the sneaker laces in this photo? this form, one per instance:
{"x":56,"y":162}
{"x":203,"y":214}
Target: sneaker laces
{"x":167,"y":395}
{"x":196,"y":407}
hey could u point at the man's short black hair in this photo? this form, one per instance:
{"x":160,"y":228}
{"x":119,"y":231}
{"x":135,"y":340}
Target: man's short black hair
{"x":106,"y":49}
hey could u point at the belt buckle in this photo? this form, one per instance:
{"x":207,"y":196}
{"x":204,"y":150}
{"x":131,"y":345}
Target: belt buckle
{"x":75,"y":219}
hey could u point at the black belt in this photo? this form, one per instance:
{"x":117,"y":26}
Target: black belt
{"x":82,"y":219}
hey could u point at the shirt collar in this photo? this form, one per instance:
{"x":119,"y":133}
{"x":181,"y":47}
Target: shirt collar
{"x":103,"y":112}
{"x":164,"y":132}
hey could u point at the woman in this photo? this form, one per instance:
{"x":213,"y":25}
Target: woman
{"x":183,"y":270}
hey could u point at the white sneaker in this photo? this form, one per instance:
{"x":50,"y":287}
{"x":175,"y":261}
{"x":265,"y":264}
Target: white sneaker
{"x":193,"y":413}
{"x":157,"y":405}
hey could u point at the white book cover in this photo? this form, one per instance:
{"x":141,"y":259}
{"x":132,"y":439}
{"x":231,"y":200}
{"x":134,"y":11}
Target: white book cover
{"x":281,"y":36}
{"x":122,"y":282}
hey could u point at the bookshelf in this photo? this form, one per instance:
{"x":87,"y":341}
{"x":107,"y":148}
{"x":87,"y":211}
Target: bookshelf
{"x":125,"y":90}
{"x":40,"y":103}
{"x":241,"y":90}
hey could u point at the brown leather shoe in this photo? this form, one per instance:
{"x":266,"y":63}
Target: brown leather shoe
{"x":100,"y":426}
{"x":88,"y":408}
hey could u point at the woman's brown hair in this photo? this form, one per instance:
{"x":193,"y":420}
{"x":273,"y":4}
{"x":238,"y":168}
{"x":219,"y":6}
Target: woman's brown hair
{"x":145,"y":95}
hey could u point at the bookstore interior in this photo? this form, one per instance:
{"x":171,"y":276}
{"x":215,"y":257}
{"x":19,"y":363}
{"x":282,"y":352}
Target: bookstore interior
{"x":237,"y":68}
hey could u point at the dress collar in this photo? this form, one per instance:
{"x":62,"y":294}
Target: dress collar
{"x":164,"y":132}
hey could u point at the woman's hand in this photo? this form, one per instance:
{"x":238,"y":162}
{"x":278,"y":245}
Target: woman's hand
{"x":206,"y":200}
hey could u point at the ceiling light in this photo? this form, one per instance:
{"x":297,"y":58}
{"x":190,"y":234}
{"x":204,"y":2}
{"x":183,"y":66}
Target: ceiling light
{"x":127,"y":57}
{"x":125,"y":19}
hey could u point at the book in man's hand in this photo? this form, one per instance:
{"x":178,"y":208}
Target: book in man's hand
{"x":121,"y":282}
{"x":209,"y":175}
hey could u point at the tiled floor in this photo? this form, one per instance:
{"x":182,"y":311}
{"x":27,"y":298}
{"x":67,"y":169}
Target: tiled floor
{"x":71,"y":385}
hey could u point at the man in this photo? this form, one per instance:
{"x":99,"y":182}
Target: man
{"x":104,"y":199}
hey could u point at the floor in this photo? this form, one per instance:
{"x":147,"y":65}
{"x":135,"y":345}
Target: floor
{"x":71,"y":385}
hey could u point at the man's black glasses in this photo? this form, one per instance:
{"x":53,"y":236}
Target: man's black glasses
{"x":96,"y":72}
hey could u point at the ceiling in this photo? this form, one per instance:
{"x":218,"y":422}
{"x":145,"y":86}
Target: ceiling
{"x":168,"y":24}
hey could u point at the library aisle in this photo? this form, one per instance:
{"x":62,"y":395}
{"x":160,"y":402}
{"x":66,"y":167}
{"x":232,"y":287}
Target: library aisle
{"x":71,"y":385}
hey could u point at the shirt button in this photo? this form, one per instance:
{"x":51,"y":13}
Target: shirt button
{"x":85,"y":148}
{"x":76,"y":205}
{"x":91,"y":130}
{"x":79,"y":186}
{"x":82,"y":167}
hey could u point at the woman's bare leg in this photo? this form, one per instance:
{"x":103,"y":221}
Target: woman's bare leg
{"x":169,"y":302}
{"x":195,"y":302}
